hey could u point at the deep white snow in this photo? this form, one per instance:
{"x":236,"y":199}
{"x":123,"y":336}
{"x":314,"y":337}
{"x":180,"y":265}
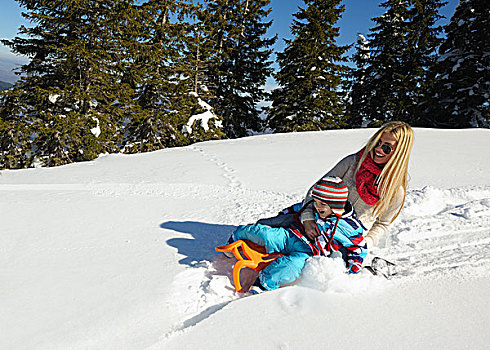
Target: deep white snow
{"x":118,"y":253}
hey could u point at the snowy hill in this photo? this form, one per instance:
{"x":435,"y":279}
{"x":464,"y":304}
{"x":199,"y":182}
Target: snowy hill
{"x":118,"y":253}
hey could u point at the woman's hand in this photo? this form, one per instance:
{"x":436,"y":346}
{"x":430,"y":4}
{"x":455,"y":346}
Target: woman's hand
{"x":311,"y":230}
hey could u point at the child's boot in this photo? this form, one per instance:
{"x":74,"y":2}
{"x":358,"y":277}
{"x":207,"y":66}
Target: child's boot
{"x":257,"y":287}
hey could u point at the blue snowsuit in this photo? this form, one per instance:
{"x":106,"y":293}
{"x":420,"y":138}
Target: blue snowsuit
{"x":296,"y":248}
{"x":285,"y":269}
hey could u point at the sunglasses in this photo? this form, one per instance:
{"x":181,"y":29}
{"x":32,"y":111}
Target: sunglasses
{"x":385,"y":147}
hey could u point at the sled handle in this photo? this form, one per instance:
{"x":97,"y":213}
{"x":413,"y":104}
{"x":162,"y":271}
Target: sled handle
{"x":256,"y":258}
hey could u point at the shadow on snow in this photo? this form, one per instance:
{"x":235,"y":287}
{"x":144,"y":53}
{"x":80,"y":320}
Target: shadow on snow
{"x":205,"y":237}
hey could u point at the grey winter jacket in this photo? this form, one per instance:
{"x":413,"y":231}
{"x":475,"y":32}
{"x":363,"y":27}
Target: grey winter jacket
{"x":376,"y":226}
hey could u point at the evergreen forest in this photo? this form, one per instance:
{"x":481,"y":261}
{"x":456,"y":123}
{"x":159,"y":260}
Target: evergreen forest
{"x":126,"y":76}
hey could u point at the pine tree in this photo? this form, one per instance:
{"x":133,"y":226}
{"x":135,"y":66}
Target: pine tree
{"x":157,"y":75}
{"x":197,"y":58}
{"x":14,"y":132}
{"x":198,"y":54}
{"x":463,"y":83}
{"x":166,"y":77}
{"x":397,"y":74}
{"x":356,"y":77}
{"x":71,"y":87}
{"x":384,"y":68}
{"x":423,"y":40}
{"x":311,"y":72}
{"x":238,"y":61}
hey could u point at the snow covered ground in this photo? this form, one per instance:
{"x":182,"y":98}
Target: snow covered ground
{"x":118,"y":253}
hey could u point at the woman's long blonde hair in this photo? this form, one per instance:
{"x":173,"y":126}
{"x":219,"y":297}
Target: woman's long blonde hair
{"x":395,"y":172}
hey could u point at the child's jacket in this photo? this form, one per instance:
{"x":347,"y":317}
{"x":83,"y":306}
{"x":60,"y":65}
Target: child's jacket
{"x":347,"y":234}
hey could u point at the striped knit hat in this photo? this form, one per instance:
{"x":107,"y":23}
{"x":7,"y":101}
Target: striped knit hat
{"x":333,"y":191}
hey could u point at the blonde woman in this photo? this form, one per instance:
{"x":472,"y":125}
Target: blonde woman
{"x":376,"y":178}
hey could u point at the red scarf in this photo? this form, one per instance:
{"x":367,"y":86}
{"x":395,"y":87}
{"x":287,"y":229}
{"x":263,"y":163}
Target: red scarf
{"x":366,"y":180}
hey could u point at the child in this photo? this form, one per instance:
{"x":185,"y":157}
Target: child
{"x":340,"y":231}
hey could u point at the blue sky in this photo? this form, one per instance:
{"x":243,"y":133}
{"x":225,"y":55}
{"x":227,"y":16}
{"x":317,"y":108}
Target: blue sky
{"x":356,"y":19}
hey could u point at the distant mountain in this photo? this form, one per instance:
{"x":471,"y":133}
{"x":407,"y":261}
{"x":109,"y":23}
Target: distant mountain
{"x":4,"y":85}
{"x":8,"y":66}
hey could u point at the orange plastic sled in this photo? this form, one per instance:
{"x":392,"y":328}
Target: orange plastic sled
{"x":256,"y":258}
